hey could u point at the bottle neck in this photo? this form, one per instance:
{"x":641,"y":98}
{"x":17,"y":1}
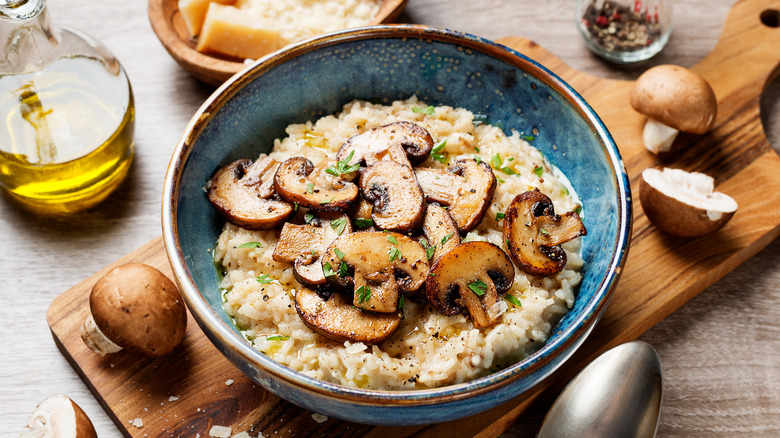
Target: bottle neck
{"x":29,"y":41}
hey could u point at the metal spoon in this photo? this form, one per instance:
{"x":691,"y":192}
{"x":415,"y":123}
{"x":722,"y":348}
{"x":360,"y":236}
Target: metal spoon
{"x":617,"y":395}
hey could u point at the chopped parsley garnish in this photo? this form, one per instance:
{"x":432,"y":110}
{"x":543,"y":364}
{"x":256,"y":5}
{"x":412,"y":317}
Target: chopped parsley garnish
{"x":446,"y":238}
{"x":427,"y":110}
{"x":308,"y":217}
{"x":277,"y":338}
{"x":363,"y":294}
{"x":326,"y":201}
{"x":309,"y":187}
{"x":392,"y":239}
{"x":545,"y":232}
{"x":508,"y":244}
{"x":538,"y":170}
{"x":327,"y":270}
{"x":343,"y":269}
{"x":478,"y":159}
{"x":264,"y":279}
{"x":476,"y":149}
{"x":342,"y":167}
{"x":401,"y":302}
{"x":513,"y":299}
{"x":528,"y":137}
{"x":479,"y":119}
{"x":478,"y":287}
{"x":394,"y":253}
{"x":338,"y":225}
{"x":578,"y":208}
{"x":436,"y":151}
{"x":363,"y":223}
{"x":251,"y":245}
{"x":295,"y":207}
{"x":495,"y":161}
{"x":339,"y":254}
{"x":429,"y":249}
{"x":500,"y":216}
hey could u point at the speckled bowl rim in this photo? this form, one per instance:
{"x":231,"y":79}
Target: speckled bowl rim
{"x":216,"y":329}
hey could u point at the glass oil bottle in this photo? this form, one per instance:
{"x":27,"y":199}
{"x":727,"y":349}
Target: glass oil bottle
{"x":66,"y":113}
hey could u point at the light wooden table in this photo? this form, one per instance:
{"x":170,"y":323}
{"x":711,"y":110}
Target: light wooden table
{"x":720,"y":352}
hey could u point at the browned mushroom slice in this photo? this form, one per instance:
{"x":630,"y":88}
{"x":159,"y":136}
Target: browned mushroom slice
{"x":399,"y":204}
{"x":469,"y":277}
{"x":533,"y":233}
{"x":298,"y":181}
{"x":242,"y":193}
{"x":303,"y":245}
{"x":338,"y":320}
{"x":440,"y":230}
{"x":369,"y":147}
{"x":467,"y":187}
{"x":381,"y":264}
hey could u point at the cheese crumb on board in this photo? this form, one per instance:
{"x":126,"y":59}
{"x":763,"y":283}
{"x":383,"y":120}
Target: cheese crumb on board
{"x":319,"y":418}
{"x":220,"y":432}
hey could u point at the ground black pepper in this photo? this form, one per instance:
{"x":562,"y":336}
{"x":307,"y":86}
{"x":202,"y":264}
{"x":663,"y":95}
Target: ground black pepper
{"x":617,"y":27}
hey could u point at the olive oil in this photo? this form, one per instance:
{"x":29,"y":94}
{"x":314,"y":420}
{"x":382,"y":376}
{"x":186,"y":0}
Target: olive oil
{"x":66,"y":134}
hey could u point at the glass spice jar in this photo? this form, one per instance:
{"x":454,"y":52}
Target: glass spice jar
{"x":625,"y":31}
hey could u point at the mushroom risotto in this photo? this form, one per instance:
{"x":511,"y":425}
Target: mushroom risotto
{"x":398,"y":246}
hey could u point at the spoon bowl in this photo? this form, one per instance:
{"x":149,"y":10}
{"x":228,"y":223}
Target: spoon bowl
{"x":618,"y":394}
{"x":168,"y":24}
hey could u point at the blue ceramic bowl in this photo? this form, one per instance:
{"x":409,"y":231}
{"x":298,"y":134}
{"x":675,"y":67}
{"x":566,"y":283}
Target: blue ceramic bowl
{"x":315,"y":78}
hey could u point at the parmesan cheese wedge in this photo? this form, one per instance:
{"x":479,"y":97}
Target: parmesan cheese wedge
{"x":231,"y":31}
{"x":194,"y":12}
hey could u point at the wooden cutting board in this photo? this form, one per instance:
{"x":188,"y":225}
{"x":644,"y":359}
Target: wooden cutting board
{"x":196,"y":388}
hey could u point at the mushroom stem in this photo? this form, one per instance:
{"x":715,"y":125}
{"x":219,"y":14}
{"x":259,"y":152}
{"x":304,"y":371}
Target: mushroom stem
{"x":658,"y":137}
{"x":95,"y":339}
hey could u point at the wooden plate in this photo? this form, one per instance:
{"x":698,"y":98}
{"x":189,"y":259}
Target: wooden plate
{"x":170,"y":28}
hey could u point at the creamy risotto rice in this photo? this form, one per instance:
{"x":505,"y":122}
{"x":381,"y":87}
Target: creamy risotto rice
{"x":430,"y":349}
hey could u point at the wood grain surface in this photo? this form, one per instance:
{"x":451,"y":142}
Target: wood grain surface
{"x":720,"y":352}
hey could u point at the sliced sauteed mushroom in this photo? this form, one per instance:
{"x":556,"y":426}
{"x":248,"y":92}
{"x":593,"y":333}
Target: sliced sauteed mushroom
{"x":467,"y":188}
{"x":399,"y":204}
{"x":298,"y":181}
{"x":470,"y":277}
{"x":440,"y":231}
{"x":534,"y":233}
{"x":303,"y":245}
{"x":242,"y":191}
{"x":369,"y":147}
{"x":381,"y":265}
{"x":340,"y":321}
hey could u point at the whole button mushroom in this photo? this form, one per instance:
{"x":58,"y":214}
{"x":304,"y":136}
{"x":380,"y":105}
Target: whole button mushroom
{"x":674,"y":99}
{"x":135,"y":307}
{"x":57,"y":416}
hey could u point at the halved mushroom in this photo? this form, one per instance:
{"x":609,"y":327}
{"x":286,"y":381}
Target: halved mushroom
{"x":382,"y":264}
{"x":303,"y":246}
{"x":674,"y":99}
{"x":242,"y":191}
{"x":467,"y":187}
{"x":58,"y":416}
{"x":338,"y":320}
{"x":298,"y":181}
{"x":684,"y":204}
{"x":399,"y":204}
{"x":440,"y":231}
{"x":469,"y":277}
{"x":533,"y":233}
{"x":399,"y":139}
